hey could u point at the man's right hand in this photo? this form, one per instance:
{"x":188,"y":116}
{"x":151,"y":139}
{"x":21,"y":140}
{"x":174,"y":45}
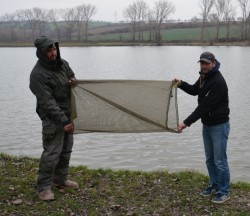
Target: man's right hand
{"x":69,"y":128}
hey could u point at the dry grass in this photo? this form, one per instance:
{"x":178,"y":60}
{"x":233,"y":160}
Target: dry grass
{"x":107,"y":192}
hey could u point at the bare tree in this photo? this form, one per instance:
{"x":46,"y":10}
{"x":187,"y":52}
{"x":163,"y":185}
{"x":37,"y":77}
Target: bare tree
{"x":163,"y":8}
{"x":80,"y":20}
{"x":36,"y":17}
{"x":68,"y":16}
{"x":88,"y":12}
{"x":136,"y":13}
{"x":27,"y":15}
{"x":11,"y":21}
{"x":219,"y":11}
{"x":131,"y":14}
{"x":40,"y":15}
{"x":248,"y":22}
{"x":229,"y":13}
{"x":21,"y":23}
{"x":141,"y":13}
{"x":244,"y":9}
{"x":195,"y":19}
{"x":151,"y":24}
{"x":54,"y":17}
{"x":206,"y":6}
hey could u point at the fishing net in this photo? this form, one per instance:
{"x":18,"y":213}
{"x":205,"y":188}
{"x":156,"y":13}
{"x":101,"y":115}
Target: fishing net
{"x":124,"y":106}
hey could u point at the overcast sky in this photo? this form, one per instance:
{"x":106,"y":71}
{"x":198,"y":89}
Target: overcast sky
{"x":106,"y":9}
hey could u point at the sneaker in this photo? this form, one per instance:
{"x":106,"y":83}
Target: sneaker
{"x":46,"y":195}
{"x":220,"y":198}
{"x":212,"y":189}
{"x":66,"y":184}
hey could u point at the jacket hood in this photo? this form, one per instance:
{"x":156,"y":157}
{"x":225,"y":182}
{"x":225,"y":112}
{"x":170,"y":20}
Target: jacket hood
{"x":217,"y":65}
{"x":42,"y":44}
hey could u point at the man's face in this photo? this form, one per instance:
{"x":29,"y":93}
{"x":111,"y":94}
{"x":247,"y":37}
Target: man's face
{"x":52,"y":54}
{"x":206,"y":67}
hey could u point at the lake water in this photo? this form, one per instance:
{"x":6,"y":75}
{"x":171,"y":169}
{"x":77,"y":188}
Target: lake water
{"x":20,"y":129}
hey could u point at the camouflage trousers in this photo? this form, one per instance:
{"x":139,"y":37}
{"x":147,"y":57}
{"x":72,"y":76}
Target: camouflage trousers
{"x":54,"y":162}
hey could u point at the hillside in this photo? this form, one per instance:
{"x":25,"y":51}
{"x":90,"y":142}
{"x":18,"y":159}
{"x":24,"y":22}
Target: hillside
{"x":121,"y":32}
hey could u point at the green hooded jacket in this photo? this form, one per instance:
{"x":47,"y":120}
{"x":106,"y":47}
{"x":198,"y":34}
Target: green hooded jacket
{"x":49,"y":83}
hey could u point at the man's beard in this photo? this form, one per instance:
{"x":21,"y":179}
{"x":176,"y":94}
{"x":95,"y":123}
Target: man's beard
{"x":52,"y":60}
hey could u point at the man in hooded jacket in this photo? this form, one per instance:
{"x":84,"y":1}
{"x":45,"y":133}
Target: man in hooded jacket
{"x":51,"y":81}
{"x":213,"y":109}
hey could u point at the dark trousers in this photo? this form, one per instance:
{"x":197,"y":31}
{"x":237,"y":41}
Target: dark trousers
{"x":54,"y":162}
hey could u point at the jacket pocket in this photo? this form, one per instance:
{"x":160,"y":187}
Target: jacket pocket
{"x":49,"y":133}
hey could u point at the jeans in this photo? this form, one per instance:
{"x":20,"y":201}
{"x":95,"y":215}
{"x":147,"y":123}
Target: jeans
{"x":215,"y":144}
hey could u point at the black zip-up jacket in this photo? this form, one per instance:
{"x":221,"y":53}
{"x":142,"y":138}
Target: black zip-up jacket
{"x":213,"y":101}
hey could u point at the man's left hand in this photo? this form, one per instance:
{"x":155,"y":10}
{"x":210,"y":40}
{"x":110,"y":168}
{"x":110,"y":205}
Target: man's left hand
{"x":73,"y":82}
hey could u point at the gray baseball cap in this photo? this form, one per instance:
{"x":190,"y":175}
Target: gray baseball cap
{"x":207,"y":57}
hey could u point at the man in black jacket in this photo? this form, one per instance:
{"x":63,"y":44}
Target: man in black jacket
{"x":50,"y":81}
{"x":213,"y":110}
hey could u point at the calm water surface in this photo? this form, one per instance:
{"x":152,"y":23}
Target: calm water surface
{"x":20,"y":129}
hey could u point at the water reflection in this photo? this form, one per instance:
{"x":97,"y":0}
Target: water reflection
{"x":21,"y":128}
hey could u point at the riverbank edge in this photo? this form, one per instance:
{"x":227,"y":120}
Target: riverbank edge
{"x":129,"y":43}
{"x":123,"y":192}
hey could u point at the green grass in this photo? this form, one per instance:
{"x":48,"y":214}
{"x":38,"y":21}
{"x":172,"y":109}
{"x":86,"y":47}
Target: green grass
{"x":194,"y":33}
{"x":107,"y":192}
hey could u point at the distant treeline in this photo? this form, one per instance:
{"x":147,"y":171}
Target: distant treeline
{"x":142,"y":23}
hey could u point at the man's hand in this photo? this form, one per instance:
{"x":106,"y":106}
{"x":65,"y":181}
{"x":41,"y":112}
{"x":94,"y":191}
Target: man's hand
{"x":181,"y":127}
{"x":69,"y":128}
{"x":73,"y":82}
{"x":176,"y":82}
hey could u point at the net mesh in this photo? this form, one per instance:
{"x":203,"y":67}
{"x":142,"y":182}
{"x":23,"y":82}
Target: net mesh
{"x":124,"y":106}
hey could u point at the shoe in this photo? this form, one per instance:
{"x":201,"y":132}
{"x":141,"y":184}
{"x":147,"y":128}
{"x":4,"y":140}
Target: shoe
{"x":212,"y":189}
{"x":220,"y":198}
{"x":66,"y":184}
{"x":46,"y":195}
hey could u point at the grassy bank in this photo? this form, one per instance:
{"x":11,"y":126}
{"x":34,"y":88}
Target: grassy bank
{"x":107,"y":192}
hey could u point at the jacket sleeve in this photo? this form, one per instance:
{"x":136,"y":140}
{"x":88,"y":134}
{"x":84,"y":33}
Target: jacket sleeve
{"x":214,"y":95}
{"x":190,"y":89}
{"x":46,"y":103}
{"x":70,"y":73}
